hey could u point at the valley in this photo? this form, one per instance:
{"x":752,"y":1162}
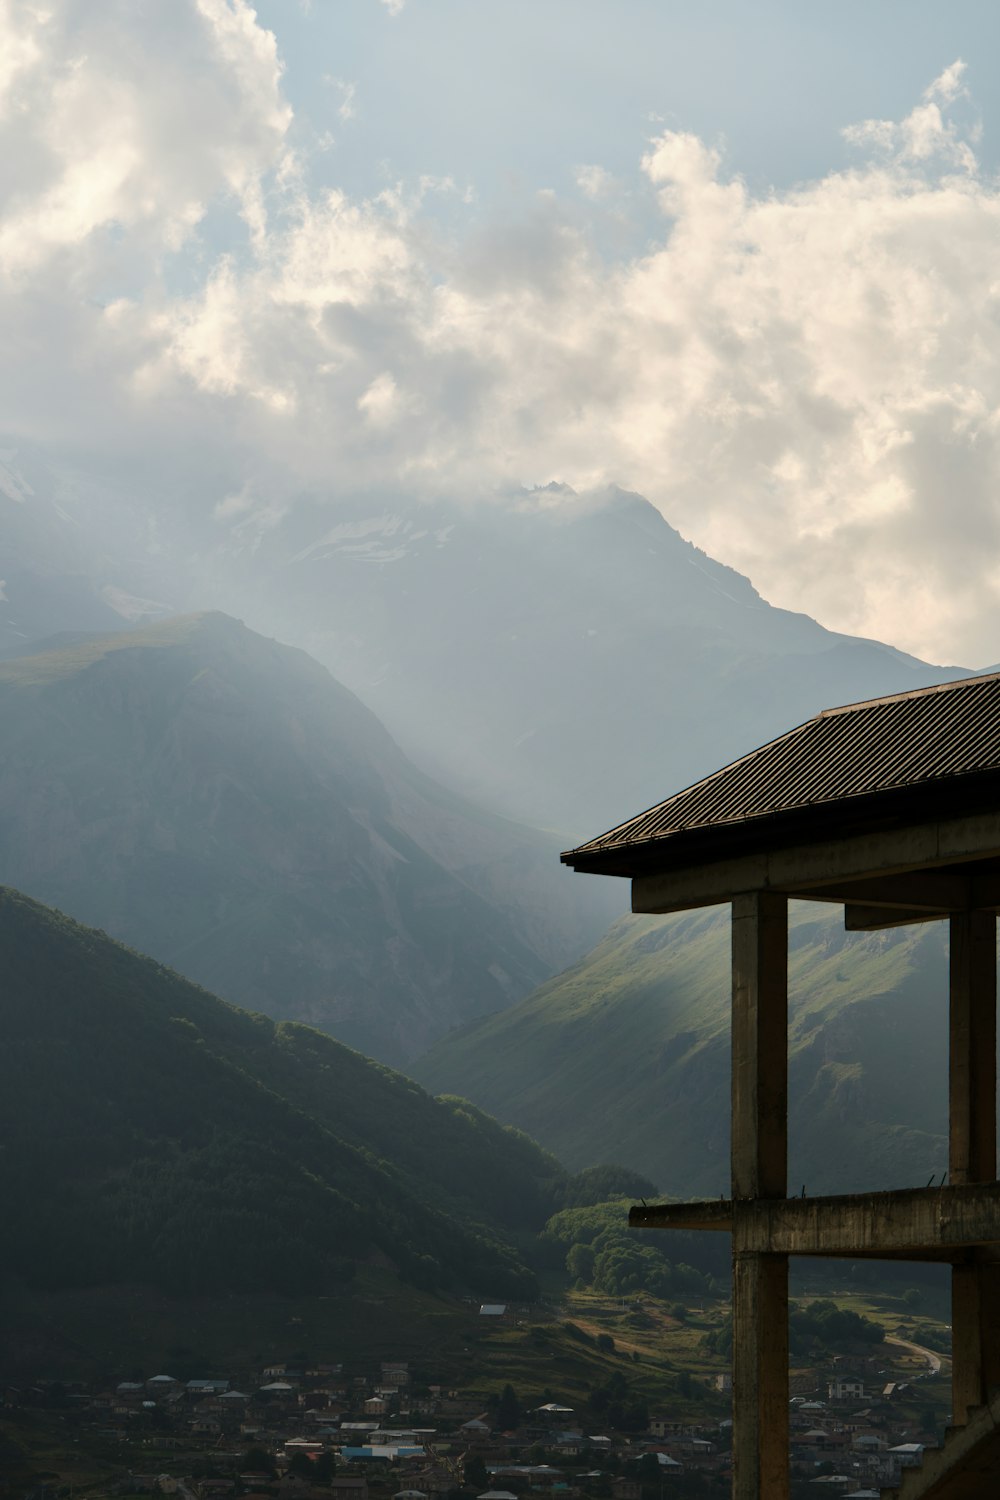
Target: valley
{"x":226,"y":1184}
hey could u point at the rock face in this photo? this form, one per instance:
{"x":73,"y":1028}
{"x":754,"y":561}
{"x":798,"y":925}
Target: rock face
{"x":626,"y":1055}
{"x":220,"y":802}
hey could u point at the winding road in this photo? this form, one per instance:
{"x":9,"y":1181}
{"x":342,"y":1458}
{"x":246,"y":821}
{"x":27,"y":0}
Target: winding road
{"x":933,"y":1360}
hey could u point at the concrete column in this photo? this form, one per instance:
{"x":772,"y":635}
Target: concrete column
{"x":972,"y":1145}
{"x":760,"y":1045}
{"x":760,"y":1377}
{"x":972,"y":1153}
{"x":975,"y":1318}
{"x":760,"y":1170}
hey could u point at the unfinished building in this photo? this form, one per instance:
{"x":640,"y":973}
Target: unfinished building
{"x":890,"y":808}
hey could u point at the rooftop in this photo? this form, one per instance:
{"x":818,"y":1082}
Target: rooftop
{"x":859,"y":760}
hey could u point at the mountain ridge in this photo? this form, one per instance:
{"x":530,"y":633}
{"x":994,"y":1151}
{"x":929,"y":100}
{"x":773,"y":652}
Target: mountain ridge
{"x":218,"y":800}
{"x":589,"y":662}
{"x":156,"y":1134}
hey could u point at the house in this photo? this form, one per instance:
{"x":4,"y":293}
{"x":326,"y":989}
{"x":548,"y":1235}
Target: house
{"x":666,"y":1461}
{"x":436,"y":1481}
{"x":843,"y":1389}
{"x":816,"y":1438}
{"x":668,"y":1427}
{"x":350,"y":1488}
{"x":206,"y":1425}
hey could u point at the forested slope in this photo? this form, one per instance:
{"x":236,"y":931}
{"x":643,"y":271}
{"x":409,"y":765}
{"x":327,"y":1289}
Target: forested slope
{"x":153,"y":1133}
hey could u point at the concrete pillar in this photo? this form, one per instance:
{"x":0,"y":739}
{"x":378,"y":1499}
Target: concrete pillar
{"x":760,"y":1170}
{"x":760,"y":1377}
{"x":975,"y":1318}
{"x":972,"y":1145}
{"x":972,"y":1154}
{"x":760,"y":1045}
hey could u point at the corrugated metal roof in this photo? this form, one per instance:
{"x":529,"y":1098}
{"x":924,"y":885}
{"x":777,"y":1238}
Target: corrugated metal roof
{"x":932,"y":735}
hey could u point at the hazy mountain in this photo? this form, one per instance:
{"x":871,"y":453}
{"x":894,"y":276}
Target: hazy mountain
{"x":626,"y":1056}
{"x":219,"y":801}
{"x":568,"y":659}
{"x":155,"y":1135}
{"x":57,"y":573}
{"x":574,"y":660}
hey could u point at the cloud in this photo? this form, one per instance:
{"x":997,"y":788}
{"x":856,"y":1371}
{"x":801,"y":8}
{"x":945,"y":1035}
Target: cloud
{"x":806,"y":382}
{"x":926,"y":133}
{"x":104,"y":131}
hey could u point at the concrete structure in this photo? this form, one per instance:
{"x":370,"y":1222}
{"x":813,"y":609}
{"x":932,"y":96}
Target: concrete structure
{"x":892,"y":809}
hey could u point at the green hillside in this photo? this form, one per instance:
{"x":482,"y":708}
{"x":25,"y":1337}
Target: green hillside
{"x":218,"y":800}
{"x":626,"y":1055}
{"x":154,"y":1134}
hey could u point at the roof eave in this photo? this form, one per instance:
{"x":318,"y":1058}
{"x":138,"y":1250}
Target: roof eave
{"x":883,"y":809}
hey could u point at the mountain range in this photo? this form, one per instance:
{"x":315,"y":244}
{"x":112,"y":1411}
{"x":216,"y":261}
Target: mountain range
{"x":567,"y":659}
{"x":220,"y":802}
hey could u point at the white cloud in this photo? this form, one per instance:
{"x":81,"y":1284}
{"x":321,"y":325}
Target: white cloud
{"x":347,"y":109}
{"x":807,"y":382}
{"x":926,"y":132}
{"x":118,"y":121}
{"x":595,"y":181}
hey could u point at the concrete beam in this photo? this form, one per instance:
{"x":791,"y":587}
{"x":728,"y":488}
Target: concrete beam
{"x":798,"y":869}
{"x":914,"y":1223}
{"x":909,"y":890}
{"x":876,"y":918}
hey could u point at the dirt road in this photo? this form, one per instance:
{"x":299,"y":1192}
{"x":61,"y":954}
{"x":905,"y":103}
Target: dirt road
{"x":933,"y":1360}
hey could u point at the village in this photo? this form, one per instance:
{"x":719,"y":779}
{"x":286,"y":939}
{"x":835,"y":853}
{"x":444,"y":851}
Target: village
{"x":316,"y":1428}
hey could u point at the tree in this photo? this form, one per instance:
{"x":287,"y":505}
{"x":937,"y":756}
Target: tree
{"x":580,"y":1262}
{"x":508,"y":1409}
{"x":474,"y":1472}
{"x":257,"y":1461}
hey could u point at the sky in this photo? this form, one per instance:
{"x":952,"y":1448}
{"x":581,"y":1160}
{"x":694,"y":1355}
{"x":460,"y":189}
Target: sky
{"x":744,"y":259}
